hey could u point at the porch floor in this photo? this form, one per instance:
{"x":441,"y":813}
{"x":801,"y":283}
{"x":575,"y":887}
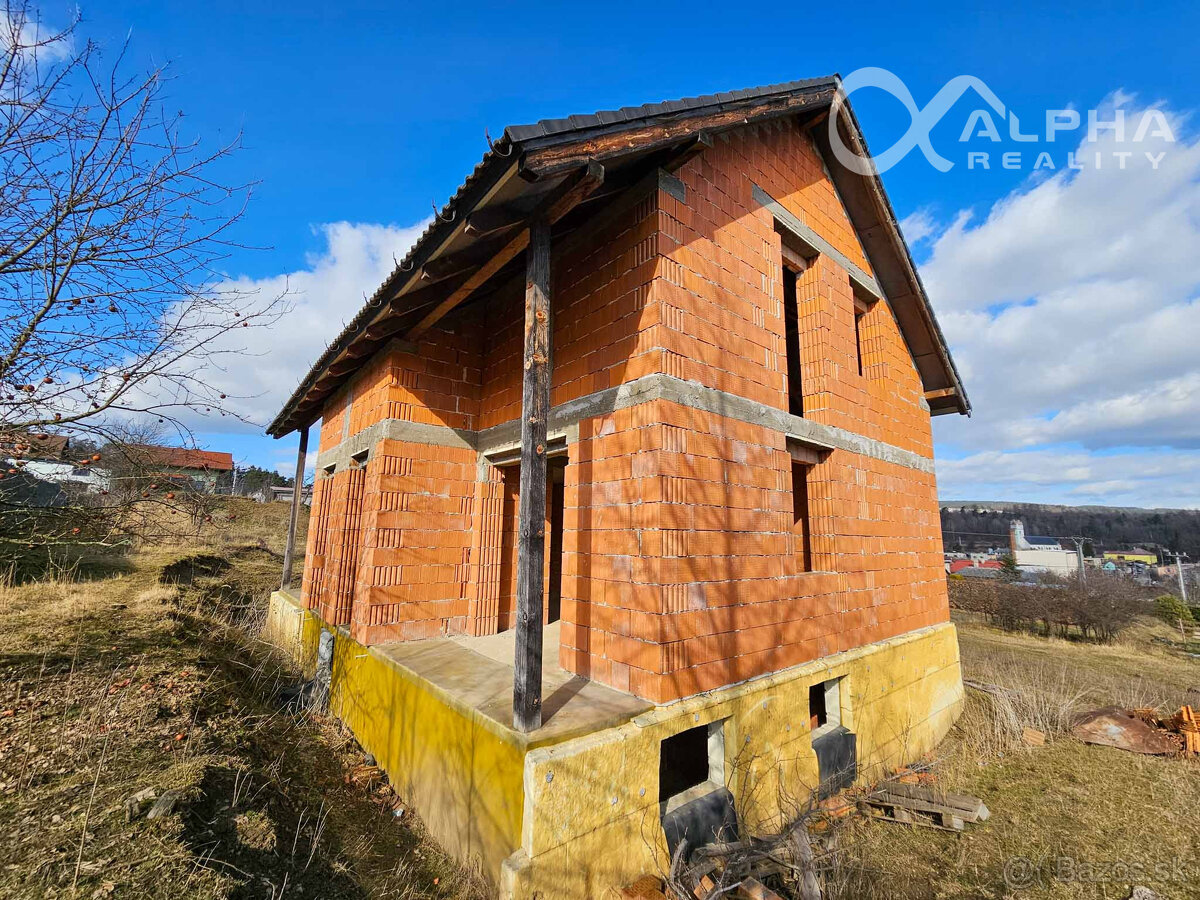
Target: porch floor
{"x":477,"y":672}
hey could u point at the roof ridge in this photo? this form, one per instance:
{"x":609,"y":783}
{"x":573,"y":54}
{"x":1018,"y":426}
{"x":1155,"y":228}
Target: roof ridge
{"x":605,"y":117}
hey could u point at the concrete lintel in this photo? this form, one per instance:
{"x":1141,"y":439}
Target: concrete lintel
{"x":394,"y":430}
{"x":565,"y":418}
{"x":816,"y":243}
{"x":697,"y":396}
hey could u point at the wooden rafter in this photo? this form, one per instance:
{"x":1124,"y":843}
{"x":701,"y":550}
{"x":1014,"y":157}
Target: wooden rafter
{"x":577,"y":186}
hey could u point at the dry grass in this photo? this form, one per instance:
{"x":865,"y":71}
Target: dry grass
{"x":114,"y":684}
{"x":1133,"y":819}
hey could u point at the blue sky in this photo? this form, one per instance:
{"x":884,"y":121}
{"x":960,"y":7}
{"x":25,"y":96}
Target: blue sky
{"x":356,"y":117}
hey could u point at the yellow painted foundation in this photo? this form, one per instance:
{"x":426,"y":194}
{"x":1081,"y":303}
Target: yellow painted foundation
{"x":572,"y":818}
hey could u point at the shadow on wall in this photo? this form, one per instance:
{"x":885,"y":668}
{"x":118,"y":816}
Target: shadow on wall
{"x":466,"y":782}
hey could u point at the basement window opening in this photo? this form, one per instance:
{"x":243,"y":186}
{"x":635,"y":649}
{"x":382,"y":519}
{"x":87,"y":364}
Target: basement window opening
{"x":691,"y":764}
{"x":824,"y":706}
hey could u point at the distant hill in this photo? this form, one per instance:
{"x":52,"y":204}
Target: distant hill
{"x":976,"y":524}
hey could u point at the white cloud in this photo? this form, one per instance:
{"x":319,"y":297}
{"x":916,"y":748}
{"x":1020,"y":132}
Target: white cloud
{"x":918,"y":226}
{"x":1071,"y":307}
{"x":35,"y":39}
{"x":324,"y":296}
{"x":1134,"y":478}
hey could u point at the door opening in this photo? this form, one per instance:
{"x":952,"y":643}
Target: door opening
{"x":556,"y":468}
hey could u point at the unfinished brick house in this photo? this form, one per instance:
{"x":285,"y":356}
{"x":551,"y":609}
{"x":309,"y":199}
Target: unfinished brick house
{"x":700,"y":344}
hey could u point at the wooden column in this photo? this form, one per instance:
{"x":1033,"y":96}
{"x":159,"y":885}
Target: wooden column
{"x":531,"y":519}
{"x":289,"y":551}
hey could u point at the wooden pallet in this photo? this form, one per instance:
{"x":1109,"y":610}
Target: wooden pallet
{"x":913,"y":804}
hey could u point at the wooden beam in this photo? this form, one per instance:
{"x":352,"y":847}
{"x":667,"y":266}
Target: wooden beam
{"x":294,"y":518}
{"x":454,"y":263}
{"x":569,"y":194}
{"x":531,"y":525}
{"x":557,"y":155}
{"x":698,"y":144}
{"x":497,"y":218}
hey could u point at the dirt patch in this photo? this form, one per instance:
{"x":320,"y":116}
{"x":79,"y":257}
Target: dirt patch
{"x":233,"y":587}
{"x":190,"y":568}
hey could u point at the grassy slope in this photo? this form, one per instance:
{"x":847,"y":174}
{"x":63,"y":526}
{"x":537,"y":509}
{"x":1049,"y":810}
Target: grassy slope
{"x":125,"y":683}
{"x":1093,"y":805}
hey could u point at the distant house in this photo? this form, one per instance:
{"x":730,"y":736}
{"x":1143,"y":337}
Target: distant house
{"x":34,"y":446}
{"x":1134,"y":555}
{"x":981,"y":572}
{"x":205,"y":468}
{"x":284,"y":493}
{"x":45,"y":457}
{"x":1041,"y":554}
{"x":92,"y":478}
{"x":974,"y":568}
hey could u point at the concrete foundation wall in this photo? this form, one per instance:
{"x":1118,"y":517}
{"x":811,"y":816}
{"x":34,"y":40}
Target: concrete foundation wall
{"x":571,"y":818}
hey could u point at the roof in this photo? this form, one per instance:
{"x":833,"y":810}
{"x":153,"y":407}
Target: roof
{"x":471,"y":237}
{"x":979,"y":572}
{"x":180,"y":457}
{"x":1043,"y":540}
{"x":35,"y":446}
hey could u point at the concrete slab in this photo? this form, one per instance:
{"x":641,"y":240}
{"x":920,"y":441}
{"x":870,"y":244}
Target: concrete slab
{"x":477,"y":672}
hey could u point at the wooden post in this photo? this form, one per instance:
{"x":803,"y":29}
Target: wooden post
{"x":289,"y":551}
{"x":531,"y":526}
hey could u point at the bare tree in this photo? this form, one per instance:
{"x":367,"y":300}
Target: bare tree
{"x":114,"y":226}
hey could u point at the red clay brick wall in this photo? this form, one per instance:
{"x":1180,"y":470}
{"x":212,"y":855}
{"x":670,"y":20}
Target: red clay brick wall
{"x":684,"y":563}
{"x":416,"y":538}
{"x":599,"y":293}
{"x":331,"y":564}
{"x":717,"y":307}
{"x":313,"y":583}
{"x":438,"y":384}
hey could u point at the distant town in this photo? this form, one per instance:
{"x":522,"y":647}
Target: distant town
{"x":985,"y":539}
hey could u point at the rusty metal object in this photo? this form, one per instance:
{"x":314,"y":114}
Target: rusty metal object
{"x":1115,"y":727}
